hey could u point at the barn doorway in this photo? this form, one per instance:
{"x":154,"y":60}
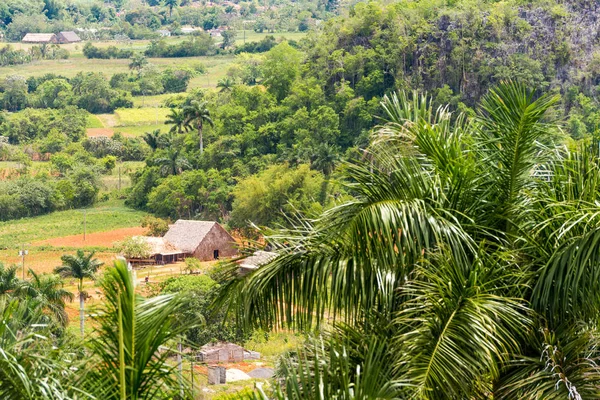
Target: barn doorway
{"x":216,"y":254}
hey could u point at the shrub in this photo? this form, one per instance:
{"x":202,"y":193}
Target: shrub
{"x":134,"y":247}
{"x":156,"y":226}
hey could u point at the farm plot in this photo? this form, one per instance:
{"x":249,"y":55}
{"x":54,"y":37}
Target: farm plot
{"x":96,"y":239}
{"x":104,"y":216}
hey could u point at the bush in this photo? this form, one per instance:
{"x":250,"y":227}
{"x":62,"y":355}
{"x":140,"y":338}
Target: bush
{"x":192,"y":265}
{"x":195,"y":46}
{"x":156,"y":226}
{"x":91,"y":51}
{"x":134,"y":247}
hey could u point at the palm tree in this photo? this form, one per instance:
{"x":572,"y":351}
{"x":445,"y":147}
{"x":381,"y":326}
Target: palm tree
{"x":152,"y":139}
{"x":226,"y":84}
{"x":454,"y":263}
{"x":196,"y":114}
{"x":171,"y":4}
{"x":9,"y":282}
{"x":172,"y":163}
{"x":31,"y":365}
{"x":48,"y":291}
{"x":79,"y":266}
{"x":177,"y":119}
{"x":130,"y":334}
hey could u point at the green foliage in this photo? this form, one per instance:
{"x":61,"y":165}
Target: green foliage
{"x":134,"y":247}
{"x":156,"y":226}
{"x":91,"y":51}
{"x":31,"y":124}
{"x":280,"y":69}
{"x":197,"y":45}
{"x":198,"y":292}
{"x":127,"y":344}
{"x":470,"y":246}
{"x":281,"y":188}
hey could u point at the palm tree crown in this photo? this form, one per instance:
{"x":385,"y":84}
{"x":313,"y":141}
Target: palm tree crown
{"x":176,"y":118}
{"x":196,"y":114}
{"x":79,"y":266}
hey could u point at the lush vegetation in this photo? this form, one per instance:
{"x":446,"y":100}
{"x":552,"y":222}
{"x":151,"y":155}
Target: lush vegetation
{"x":426,"y":172}
{"x":463,"y":266}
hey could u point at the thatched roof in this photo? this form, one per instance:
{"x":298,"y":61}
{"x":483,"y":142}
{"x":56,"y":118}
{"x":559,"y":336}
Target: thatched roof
{"x":158,"y":245}
{"x":39,"y":37}
{"x":257,"y":259}
{"x":69,"y":36}
{"x":187,"y":235}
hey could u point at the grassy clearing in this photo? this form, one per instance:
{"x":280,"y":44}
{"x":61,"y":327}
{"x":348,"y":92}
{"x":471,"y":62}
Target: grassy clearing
{"x":151,"y":101}
{"x":94,"y":122}
{"x":139,"y":130}
{"x":141,"y":116}
{"x":121,"y":173}
{"x":102,"y":217}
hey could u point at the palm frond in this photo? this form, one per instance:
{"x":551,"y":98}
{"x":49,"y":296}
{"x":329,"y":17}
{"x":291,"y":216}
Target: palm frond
{"x":457,"y":325}
{"x":566,"y":366}
{"x":129,"y":335}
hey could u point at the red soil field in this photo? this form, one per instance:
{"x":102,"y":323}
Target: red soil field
{"x":93,"y":132}
{"x":96,"y":239}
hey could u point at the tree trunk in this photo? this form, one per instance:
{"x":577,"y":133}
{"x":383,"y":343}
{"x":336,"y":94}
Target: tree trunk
{"x":81,"y":311}
{"x":180,"y":368}
{"x":201,"y":141}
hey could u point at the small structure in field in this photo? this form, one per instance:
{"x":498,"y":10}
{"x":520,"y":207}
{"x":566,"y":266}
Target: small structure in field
{"x":68,"y":37}
{"x":256,"y":260}
{"x":225,"y":353}
{"x":216,"y":32}
{"x":164,"y":32}
{"x":205,"y":240}
{"x":188,"y":30}
{"x":163,"y":252}
{"x":40,"y":38}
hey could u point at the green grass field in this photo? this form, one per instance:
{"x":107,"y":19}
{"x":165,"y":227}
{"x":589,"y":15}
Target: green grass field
{"x":139,"y":130}
{"x":120,"y":173}
{"x":140,"y":116}
{"x":94,"y":122}
{"x":102,"y":217}
{"x":152,"y":101}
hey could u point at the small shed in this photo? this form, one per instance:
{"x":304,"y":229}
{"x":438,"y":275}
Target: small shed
{"x":205,"y":240}
{"x":224,"y":352}
{"x":40,"y":38}
{"x":68,"y":37}
{"x":256,"y":260}
{"x":221,"y":352}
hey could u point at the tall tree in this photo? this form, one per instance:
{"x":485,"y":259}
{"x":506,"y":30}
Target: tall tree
{"x":152,"y":139}
{"x":196,"y":114}
{"x":138,"y":62}
{"x":173,"y":162}
{"x":79,"y":266}
{"x":171,"y":4}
